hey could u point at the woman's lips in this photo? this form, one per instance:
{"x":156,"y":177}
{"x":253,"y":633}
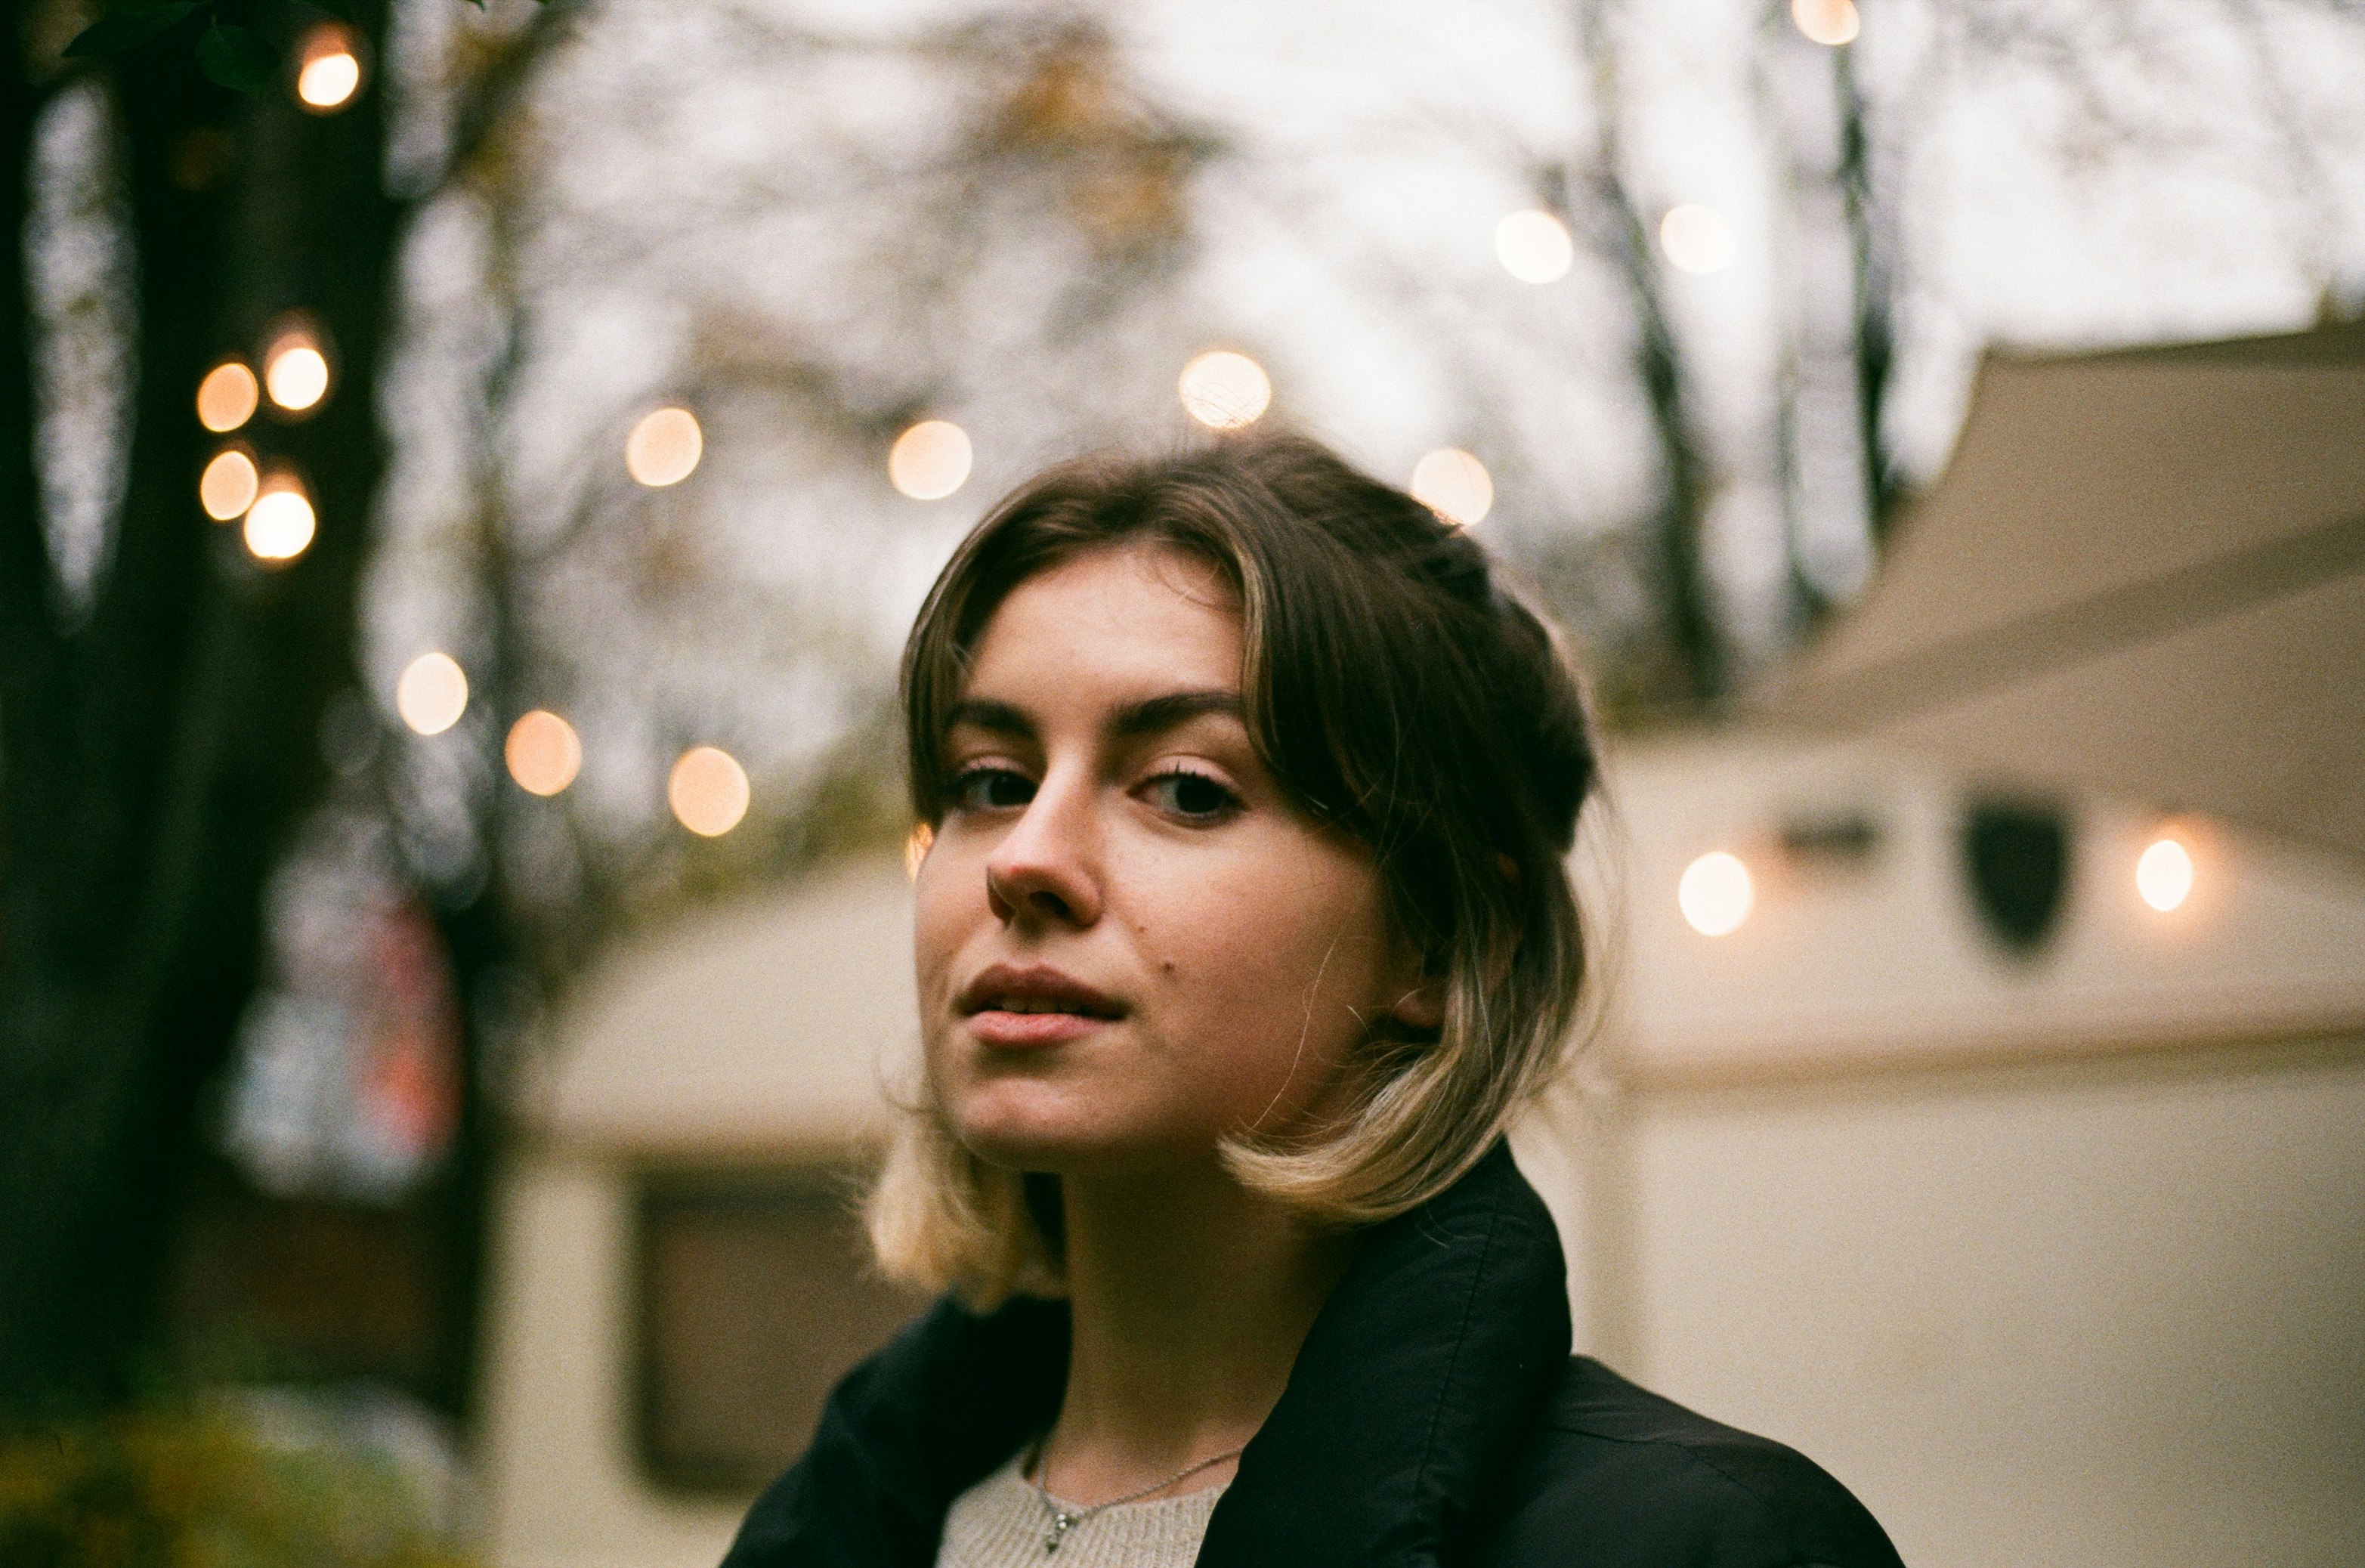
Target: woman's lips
{"x":1017,"y":1030}
{"x":1034,"y":1005}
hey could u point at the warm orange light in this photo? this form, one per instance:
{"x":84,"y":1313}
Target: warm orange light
{"x":432,"y":693}
{"x":227,"y":397}
{"x":229,"y":485}
{"x":664,"y":447}
{"x":280,"y":524}
{"x":1454,"y":484}
{"x":1533,"y":246}
{"x":330,"y":72}
{"x":930,"y":460}
{"x":2164,"y":874}
{"x":1833,"y":22}
{"x":296,"y":372}
{"x":544,"y":753}
{"x":708,"y":791}
{"x":915,"y":848}
{"x":1225,"y":391}
{"x":1715,"y":893}
{"x":1696,"y":239}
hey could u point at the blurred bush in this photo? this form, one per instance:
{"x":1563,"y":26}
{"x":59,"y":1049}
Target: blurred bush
{"x":259,"y":1481}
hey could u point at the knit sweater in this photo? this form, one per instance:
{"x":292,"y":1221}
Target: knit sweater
{"x":999,"y":1523}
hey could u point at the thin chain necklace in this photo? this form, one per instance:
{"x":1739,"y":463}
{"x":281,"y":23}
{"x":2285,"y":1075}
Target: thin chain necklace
{"x":1065,"y":1519}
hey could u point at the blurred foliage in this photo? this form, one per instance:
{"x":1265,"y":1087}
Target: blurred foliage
{"x":196,"y":1487}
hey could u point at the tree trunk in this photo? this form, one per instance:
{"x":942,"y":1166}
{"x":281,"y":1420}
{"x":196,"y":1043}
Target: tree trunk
{"x":158,"y":754}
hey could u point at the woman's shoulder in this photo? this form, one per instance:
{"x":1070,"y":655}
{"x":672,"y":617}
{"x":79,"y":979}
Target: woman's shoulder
{"x":1617,"y":1476}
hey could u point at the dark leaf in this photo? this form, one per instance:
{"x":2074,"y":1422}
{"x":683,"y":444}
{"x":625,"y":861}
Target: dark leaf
{"x":125,"y":26}
{"x":341,"y":9}
{"x":237,"y":59}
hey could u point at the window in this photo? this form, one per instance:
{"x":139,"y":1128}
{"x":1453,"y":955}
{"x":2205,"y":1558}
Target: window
{"x":756,"y":1295}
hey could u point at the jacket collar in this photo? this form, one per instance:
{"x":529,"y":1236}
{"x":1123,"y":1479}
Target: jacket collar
{"x":1415,"y":1389}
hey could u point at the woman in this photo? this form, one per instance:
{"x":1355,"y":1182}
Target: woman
{"x":1243,"y":928}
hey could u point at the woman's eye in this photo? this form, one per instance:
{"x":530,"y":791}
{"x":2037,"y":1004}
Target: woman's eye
{"x":1192,"y":795}
{"x":991,"y":790}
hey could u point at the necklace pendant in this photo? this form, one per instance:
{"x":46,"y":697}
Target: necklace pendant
{"x":1061,"y":1523}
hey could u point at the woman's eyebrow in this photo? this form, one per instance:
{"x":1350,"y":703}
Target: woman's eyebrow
{"x":1156,"y":714}
{"x":993,"y":718}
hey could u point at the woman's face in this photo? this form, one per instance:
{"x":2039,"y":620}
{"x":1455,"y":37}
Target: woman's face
{"x":1129,"y":944}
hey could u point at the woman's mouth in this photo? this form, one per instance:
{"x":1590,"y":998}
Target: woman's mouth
{"x":1013,"y":1005}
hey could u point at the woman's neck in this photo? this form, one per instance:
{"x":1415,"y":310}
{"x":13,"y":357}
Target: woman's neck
{"x":1190,"y":1299}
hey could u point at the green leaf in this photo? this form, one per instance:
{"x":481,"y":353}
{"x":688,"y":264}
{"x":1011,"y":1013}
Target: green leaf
{"x":128,"y":25}
{"x":237,"y":59}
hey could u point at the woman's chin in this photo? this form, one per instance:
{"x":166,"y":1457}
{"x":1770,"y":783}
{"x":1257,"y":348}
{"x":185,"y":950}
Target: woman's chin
{"x":1046,"y":1132}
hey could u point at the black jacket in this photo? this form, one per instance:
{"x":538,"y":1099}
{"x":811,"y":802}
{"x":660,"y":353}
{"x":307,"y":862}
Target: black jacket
{"x":1434,"y":1417}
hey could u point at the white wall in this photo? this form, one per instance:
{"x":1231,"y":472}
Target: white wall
{"x":2072,"y":1316}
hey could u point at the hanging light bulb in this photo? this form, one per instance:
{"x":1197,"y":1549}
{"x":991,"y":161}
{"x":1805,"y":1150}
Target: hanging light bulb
{"x":295,"y":370}
{"x":930,"y":460}
{"x":329,"y":69}
{"x":1225,"y":391}
{"x":280,"y":524}
{"x":664,"y":447}
{"x":708,"y":791}
{"x":227,"y":397}
{"x":544,"y":753}
{"x":1453,"y":484}
{"x":229,"y":484}
{"x":1534,"y":246}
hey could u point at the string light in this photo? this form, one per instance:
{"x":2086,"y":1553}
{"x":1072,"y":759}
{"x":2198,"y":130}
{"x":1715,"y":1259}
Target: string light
{"x":229,"y":485}
{"x":227,"y":397}
{"x":330,"y":72}
{"x":1715,"y":893}
{"x":1454,"y":484}
{"x":1696,"y":239}
{"x":2164,"y":874}
{"x":1533,"y":246}
{"x":543,"y":752}
{"x":664,"y":447}
{"x":708,"y":791}
{"x":1833,"y":22}
{"x":1225,"y":391}
{"x":432,"y":693}
{"x":930,"y":460}
{"x":295,"y":371}
{"x":280,"y":524}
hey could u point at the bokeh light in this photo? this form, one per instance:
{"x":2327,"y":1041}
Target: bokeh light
{"x":1696,"y":239}
{"x":543,"y":752}
{"x":280,"y":524}
{"x":2164,"y":875}
{"x":664,"y":447}
{"x":1715,"y":893}
{"x":1533,"y":246}
{"x":1454,"y":484}
{"x":1225,"y":391}
{"x":331,"y":71}
{"x":229,"y":485}
{"x":1834,"y":22}
{"x":432,"y":693}
{"x":708,"y":791}
{"x":227,"y":397}
{"x":930,"y":460}
{"x":295,"y":371}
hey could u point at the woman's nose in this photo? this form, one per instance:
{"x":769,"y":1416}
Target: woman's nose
{"x":1046,"y":867}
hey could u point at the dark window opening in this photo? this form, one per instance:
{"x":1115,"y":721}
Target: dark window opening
{"x":756,"y":1295}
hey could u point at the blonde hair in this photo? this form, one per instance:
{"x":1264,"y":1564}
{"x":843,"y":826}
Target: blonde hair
{"x":1398,"y":693}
